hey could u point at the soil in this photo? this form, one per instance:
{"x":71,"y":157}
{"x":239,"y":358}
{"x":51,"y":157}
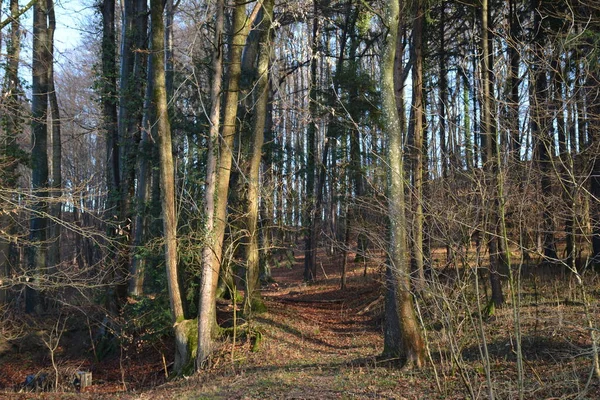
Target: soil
{"x":317,"y":341}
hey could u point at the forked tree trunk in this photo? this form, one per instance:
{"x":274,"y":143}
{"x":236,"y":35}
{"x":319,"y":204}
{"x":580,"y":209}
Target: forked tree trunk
{"x":217,"y":188}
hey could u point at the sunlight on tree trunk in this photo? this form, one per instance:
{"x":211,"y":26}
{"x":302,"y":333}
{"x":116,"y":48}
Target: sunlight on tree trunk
{"x":403,"y":338}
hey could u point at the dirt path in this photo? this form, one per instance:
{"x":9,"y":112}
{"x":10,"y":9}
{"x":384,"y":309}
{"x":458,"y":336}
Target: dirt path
{"x":319,"y":342}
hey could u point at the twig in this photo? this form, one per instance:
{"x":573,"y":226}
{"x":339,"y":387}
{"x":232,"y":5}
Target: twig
{"x":371,"y":304}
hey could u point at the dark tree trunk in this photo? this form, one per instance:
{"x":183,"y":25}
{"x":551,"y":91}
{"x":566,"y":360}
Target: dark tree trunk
{"x":39,"y":154}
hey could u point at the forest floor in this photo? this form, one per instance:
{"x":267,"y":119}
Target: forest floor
{"x":317,"y":341}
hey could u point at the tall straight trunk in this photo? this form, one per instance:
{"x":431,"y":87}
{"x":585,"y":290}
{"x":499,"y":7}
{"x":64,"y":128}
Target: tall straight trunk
{"x":169,"y":55}
{"x":488,"y":134}
{"x":129,"y":119}
{"x":182,"y":328}
{"x":11,"y":122}
{"x":541,"y":132}
{"x":218,"y":180}
{"x":109,"y":117}
{"x":514,"y":81}
{"x":468,"y":143}
{"x":39,"y":154}
{"x":267,"y":201}
{"x":146,"y":147}
{"x":594,"y":136}
{"x":444,"y":142}
{"x":310,"y":249}
{"x":402,"y":336}
{"x":253,"y":301}
{"x":417,"y":151}
{"x":56,"y":185}
{"x":210,"y":262}
{"x":167,"y":168}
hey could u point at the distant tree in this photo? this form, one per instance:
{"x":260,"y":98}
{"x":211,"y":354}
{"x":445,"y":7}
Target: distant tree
{"x":10,"y":153}
{"x":489,"y":153}
{"x":56,"y":183}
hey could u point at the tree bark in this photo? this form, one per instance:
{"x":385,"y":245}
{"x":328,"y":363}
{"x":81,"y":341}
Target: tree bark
{"x":310,"y":250}
{"x":9,"y":149}
{"x":253,"y":301}
{"x":488,"y":134}
{"x":167,"y":169}
{"x":39,"y":155}
{"x":217,"y":190}
{"x":417,"y":150}
{"x":541,"y":132}
{"x":55,"y":127}
{"x":108,"y":94}
{"x":402,"y":336}
{"x":145,"y":148}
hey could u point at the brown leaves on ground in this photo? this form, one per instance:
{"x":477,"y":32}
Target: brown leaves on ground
{"x":319,"y":342}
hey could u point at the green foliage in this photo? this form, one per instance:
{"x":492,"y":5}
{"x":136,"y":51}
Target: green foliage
{"x":363,"y":23}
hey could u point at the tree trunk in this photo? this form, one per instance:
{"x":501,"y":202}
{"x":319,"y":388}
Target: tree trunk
{"x":9,"y":149}
{"x":167,"y":183}
{"x":145,"y":148}
{"x":488,"y":134}
{"x":253,"y":301}
{"x":108,"y":94}
{"x":402,"y":337}
{"x":417,"y":135}
{"x":39,"y":154}
{"x":56,"y":184}
{"x":217,"y":189}
{"x":541,"y":131}
{"x":310,"y":250}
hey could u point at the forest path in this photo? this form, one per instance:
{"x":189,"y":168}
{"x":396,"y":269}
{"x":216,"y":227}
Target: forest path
{"x":319,"y":342}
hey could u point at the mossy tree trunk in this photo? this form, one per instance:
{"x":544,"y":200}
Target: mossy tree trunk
{"x":167,"y":183}
{"x":219,"y":172}
{"x":253,"y":301}
{"x":402,"y":336}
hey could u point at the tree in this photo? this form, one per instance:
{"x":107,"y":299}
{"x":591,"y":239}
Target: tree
{"x":311,"y":212}
{"x":217,"y":190}
{"x":253,"y":300}
{"x":489,"y":143}
{"x":417,"y":135}
{"x":108,"y":98}
{"x":39,"y":153}
{"x":167,"y":168}
{"x":402,"y":336}
{"x":10,"y":153}
{"x":55,"y":128}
